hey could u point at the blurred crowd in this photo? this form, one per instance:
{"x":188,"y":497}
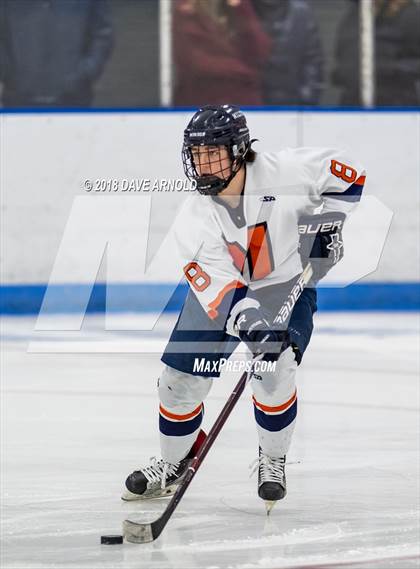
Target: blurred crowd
{"x":83,"y":53}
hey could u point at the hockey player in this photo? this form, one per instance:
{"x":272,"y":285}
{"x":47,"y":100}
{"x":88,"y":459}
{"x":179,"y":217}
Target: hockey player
{"x":243,"y":241}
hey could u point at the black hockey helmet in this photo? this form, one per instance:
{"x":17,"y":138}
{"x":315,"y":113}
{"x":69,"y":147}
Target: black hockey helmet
{"x":216,"y":125}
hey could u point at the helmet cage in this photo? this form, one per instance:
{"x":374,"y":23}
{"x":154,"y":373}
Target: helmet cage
{"x":212,"y":184}
{"x":215,"y":126}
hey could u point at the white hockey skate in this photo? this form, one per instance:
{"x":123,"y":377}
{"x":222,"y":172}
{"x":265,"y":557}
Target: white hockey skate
{"x":159,"y":478}
{"x":271,"y":478}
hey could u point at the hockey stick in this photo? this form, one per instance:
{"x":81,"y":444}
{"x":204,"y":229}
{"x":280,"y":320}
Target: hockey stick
{"x":147,"y":532}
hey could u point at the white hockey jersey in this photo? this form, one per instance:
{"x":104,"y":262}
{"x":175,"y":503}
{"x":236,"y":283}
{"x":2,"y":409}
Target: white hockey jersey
{"x":229,"y":252}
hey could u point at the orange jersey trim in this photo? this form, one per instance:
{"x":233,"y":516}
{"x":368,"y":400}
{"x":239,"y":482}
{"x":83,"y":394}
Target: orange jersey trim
{"x":214,"y":304}
{"x":175,"y":417}
{"x":278,"y":408}
{"x":360,"y":181}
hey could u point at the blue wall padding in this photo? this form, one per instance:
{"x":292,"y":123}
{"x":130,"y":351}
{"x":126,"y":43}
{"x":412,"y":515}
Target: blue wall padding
{"x":27,"y":299}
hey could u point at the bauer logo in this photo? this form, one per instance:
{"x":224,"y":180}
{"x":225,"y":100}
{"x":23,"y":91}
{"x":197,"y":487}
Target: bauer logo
{"x":319,"y":227}
{"x":196,"y":134}
{"x":335,"y":246}
{"x":294,"y":294}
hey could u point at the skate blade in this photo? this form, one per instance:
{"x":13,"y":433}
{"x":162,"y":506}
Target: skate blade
{"x":269,"y":505}
{"x":131,"y":497}
{"x":137,"y":533}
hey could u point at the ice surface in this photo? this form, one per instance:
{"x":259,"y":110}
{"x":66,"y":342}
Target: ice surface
{"x":76,"y":420}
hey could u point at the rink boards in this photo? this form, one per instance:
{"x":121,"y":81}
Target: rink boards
{"x":50,"y":157}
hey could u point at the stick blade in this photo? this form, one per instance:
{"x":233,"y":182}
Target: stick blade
{"x":137,"y":533}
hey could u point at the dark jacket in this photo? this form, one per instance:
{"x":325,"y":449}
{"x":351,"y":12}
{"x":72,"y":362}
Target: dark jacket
{"x":397,"y":56}
{"x":294,"y":73}
{"x":51,"y":51}
{"x":214,"y":65}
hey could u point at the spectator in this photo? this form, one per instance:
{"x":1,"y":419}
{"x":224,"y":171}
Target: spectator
{"x":219,"y":47}
{"x":397,"y":54}
{"x":52,"y":51}
{"x":294,"y":72}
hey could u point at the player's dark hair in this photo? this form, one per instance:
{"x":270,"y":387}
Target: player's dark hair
{"x":250,"y":156}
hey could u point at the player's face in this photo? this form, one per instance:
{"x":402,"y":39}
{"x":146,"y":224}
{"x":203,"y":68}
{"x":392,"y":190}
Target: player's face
{"x":212,"y":161}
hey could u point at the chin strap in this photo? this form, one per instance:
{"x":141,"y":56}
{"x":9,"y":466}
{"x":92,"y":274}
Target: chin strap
{"x":222,"y":184}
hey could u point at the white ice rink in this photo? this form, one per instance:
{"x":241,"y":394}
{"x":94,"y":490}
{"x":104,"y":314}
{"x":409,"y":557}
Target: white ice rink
{"x":76,"y":420}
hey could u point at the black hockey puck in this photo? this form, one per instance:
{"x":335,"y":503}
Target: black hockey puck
{"x":111,"y":539}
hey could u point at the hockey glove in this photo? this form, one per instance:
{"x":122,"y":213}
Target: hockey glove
{"x":321,"y":241}
{"x":255,"y":331}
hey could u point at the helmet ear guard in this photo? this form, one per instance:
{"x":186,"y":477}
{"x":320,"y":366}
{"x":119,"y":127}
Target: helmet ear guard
{"x":242,"y":150}
{"x":239,"y":150}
